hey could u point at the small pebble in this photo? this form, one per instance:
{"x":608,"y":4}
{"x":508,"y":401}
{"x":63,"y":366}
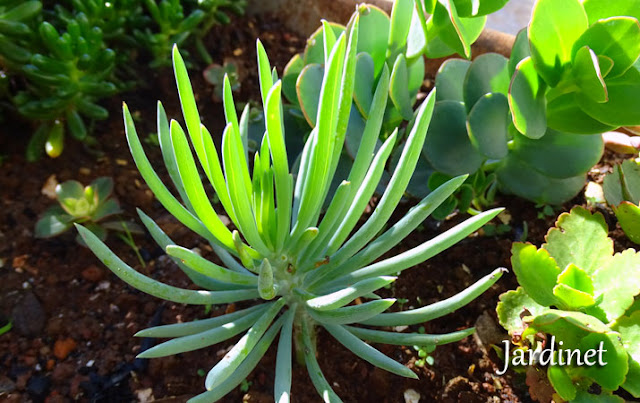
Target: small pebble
{"x":411,"y":396}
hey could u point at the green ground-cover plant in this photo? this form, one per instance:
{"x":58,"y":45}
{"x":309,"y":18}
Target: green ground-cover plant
{"x":304,"y":268}
{"x":88,"y":205}
{"x":576,"y":289}
{"x":60,"y":61}
{"x":622,"y":192}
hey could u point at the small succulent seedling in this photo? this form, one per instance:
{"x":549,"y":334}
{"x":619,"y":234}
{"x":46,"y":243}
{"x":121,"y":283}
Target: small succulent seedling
{"x":622,"y":192}
{"x":576,"y":289}
{"x":79,"y":204}
{"x":215,"y":74}
{"x":304,"y":269}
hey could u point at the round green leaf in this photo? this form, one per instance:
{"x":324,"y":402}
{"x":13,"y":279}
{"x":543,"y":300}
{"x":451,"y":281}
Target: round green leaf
{"x":622,"y":109}
{"x":314,"y":51}
{"x":488,"y":74}
{"x":488,"y":124}
{"x":455,"y":32}
{"x":537,"y":272}
{"x":373,"y":35}
{"x":611,"y":375}
{"x":519,"y":51}
{"x":447,"y":145}
{"x":617,"y":38}
{"x":399,"y":88}
{"x":600,"y":9}
{"x":510,"y":307}
{"x":476,"y":8}
{"x":308,"y":88}
{"x":364,"y":84}
{"x":565,"y":115}
{"x":554,"y":28}
{"x":516,"y":177}
{"x":450,"y":80}
{"x":628,"y":215}
{"x":290,"y":76}
{"x":559,"y":155}
{"x":527,"y":100}
{"x":561,"y":382}
{"x":587,"y":75}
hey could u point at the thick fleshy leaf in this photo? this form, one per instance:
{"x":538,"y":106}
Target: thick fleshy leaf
{"x":238,"y":353}
{"x":343,"y":297}
{"x":398,"y":88}
{"x":401,"y":16}
{"x":629,"y":329}
{"x":587,"y":75}
{"x":368,"y":353}
{"x":447,"y":145}
{"x":622,"y":108}
{"x":555,"y":26}
{"x":600,"y":9}
{"x":53,"y":222}
{"x":290,"y":76}
{"x":617,"y":38}
{"x":610,"y":351}
{"x":416,"y":39}
{"x":364,"y":83}
{"x":628,"y":215}
{"x":537,"y":272}
{"x":455,"y":32}
{"x":617,"y":282}
{"x":580,"y":238}
{"x":565,"y":114}
{"x":475,"y":8}
{"x":559,"y":155}
{"x":519,"y":51}
{"x":314,"y":51}
{"x":630,"y":176}
{"x":437,"y":309}
{"x":562,"y":382}
{"x":511,"y":307}
{"x":488,"y":74}
{"x":308,"y":89}
{"x":351,"y":313}
{"x":450,"y":80}
{"x":514,"y":176}
{"x":373,"y":35}
{"x":527,"y":100}
{"x":155,"y":288}
{"x":488,"y":125}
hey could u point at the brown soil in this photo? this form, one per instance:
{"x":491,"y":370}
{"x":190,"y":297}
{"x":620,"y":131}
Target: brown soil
{"x":85,"y":351}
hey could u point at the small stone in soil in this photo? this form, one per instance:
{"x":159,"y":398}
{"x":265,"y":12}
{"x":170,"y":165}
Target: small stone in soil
{"x":93,"y":274}
{"x":38,"y":387}
{"x":63,"y":347}
{"x":6,"y":385}
{"x":28,"y":316}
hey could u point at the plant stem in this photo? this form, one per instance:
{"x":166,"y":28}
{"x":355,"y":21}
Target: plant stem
{"x":298,"y":340}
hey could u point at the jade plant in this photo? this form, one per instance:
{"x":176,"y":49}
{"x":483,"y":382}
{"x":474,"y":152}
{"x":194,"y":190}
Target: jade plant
{"x":89,"y":205}
{"x":472,"y":133}
{"x":622,"y":192}
{"x":535,"y":120}
{"x":302,"y":269}
{"x":576,"y":290}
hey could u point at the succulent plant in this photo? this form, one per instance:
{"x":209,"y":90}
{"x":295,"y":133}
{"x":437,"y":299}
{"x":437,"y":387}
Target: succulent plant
{"x":472,"y":133}
{"x":303,"y":268}
{"x":576,"y":289}
{"x":88,"y":205}
{"x":68,"y":57}
{"x":622,"y":193}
